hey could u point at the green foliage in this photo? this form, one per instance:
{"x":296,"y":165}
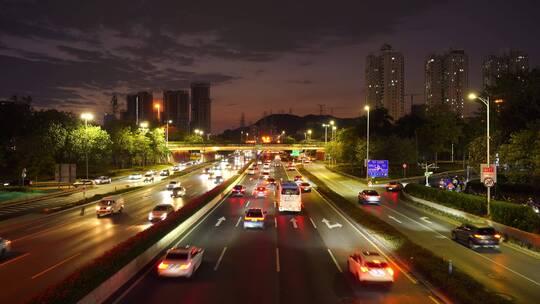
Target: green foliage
{"x":513,"y":215}
{"x":522,"y":154}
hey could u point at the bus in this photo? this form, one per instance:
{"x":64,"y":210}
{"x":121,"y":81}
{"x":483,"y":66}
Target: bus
{"x":288,"y":197}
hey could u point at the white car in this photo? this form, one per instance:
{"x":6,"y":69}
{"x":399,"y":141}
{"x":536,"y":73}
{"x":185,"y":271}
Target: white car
{"x":102,"y":180}
{"x":135,"y":176}
{"x":160,"y":212}
{"x":110,"y":205}
{"x":254,"y":218}
{"x":370,"y":266}
{"x":251,"y":171}
{"x":172,"y":184}
{"x":5,"y":247}
{"x":181,"y":262}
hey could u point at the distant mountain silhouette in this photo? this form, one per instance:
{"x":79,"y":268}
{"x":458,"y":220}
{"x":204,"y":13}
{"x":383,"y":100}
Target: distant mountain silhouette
{"x":293,"y":125}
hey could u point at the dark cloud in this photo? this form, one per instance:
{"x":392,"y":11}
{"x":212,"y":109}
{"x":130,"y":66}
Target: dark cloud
{"x":301,"y":81}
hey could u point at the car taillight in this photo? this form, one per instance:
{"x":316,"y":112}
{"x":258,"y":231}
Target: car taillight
{"x":364,"y":269}
{"x":253,"y":219}
{"x":163,"y":265}
{"x":390,"y":271}
{"x":185,"y":266}
{"x":497,"y":236}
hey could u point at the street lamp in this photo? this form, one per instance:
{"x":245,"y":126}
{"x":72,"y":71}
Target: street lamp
{"x":167,"y":133}
{"x":158,"y":107}
{"x":309,"y":134}
{"x":325,"y":126}
{"x":334,"y":128}
{"x":366,"y":108}
{"x":485,"y":101}
{"x":86,"y":117}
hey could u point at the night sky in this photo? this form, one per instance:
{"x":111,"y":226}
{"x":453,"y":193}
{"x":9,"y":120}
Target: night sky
{"x":259,"y":55}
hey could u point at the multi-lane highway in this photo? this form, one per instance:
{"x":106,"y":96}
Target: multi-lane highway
{"x":511,"y":272}
{"x":48,"y":248}
{"x":296,"y":259}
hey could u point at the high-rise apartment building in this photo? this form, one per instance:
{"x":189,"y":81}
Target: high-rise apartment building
{"x":140,"y":107}
{"x":447,"y":81}
{"x":176,"y":108}
{"x":385,"y":81}
{"x":201,"y":108}
{"x":511,"y":62}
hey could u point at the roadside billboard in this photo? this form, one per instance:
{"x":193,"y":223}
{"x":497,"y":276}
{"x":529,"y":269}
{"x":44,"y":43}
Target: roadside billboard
{"x":377,"y":168}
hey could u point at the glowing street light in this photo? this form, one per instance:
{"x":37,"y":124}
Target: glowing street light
{"x":366,"y":108}
{"x":86,"y":117}
{"x":144,"y":125}
{"x":158,"y":107}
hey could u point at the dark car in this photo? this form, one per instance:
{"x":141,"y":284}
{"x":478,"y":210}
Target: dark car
{"x":165,"y":172}
{"x":476,"y":237}
{"x":394,"y":186}
{"x":271,"y":181}
{"x":238,"y":190}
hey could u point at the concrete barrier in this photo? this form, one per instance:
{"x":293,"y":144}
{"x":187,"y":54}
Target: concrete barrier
{"x":111,"y":285}
{"x":527,"y":238}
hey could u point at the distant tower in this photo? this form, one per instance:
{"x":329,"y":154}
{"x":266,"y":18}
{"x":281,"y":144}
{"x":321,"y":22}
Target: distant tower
{"x":201,"y":110}
{"x":242,"y":120}
{"x":385,"y":77}
{"x":495,"y":66}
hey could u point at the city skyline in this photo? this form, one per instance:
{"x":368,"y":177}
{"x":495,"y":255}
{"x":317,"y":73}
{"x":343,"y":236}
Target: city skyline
{"x":78,"y":63}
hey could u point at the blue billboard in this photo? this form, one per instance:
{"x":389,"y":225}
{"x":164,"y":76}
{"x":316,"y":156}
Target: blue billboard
{"x":377,"y":168}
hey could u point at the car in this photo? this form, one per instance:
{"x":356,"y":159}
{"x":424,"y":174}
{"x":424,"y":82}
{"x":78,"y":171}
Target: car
{"x":83,"y":182}
{"x":266,"y":166}
{"x":305,"y":187}
{"x":306,"y":160}
{"x":394,"y":186}
{"x":251,"y":171}
{"x":5,"y":247}
{"x":180,"y":262}
{"x":369,"y":197}
{"x":110,"y":205}
{"x":178,"y":191}
{"x":259,"y":162}
{"x":298,"y":178}
{"x":160,"y":212}
{"x":102,"y":180}
{"x":148,"y":178}
{"x":172,"y":184}
{"x":260,"y":191}
{"x":265,"y":175}
{"x":176,"y":168}
{"x":254,"y":218}
{"x":370,"y":266}
{"x":152,"y":172}
{"x":238,"y":190}
{"x":165,"y":172}
{"x":271,"y":181}
{"x":135,"y":176}
{"x":218,"y":180}
{"x":475,"y":236}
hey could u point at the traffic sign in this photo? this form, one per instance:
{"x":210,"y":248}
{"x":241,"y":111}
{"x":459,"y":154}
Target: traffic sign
{"x":428,"y":173}
{"x":488,"y":174}
{"x":404,"y":166}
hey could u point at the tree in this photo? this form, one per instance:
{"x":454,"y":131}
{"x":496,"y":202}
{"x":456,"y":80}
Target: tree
{"x":442,"y":128}
{"x":92,"y":141}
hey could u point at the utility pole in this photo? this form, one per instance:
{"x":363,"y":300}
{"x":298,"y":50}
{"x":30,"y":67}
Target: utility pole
{"x":427,"y":173}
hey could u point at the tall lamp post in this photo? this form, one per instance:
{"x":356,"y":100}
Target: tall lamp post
{"x":309,"y":135}
{"x":167,"y":133}
{"x":86,"y":117}
{"x":325,"y":126}
{"x":485,"y":101}
{"x":366,"y":108}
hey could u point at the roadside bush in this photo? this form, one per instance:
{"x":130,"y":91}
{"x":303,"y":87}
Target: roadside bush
{"x":513,"y":215}
{"x":458,"y":286}
{"x":91,"y":275}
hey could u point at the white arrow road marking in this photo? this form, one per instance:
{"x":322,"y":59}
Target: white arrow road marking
{"x":395,"y":219}
{"x":238,"y":223}
{"x":293,"y":221}
{"x":221,"y":219}
{"x":327,"y":222}
{"x":426,"y":219}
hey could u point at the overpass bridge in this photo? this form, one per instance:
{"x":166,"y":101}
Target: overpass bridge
{"x":175,"y":146}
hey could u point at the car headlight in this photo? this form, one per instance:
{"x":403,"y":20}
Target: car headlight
{"x":109,"y":208}
{"x":97,"y":208}
{"x":150,"y":216}
{"x":164,"y":216}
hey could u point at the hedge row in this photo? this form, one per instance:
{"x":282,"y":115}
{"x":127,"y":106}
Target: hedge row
{"x":513,"y":215}
{"x":458,"y":286}
{"x":90,"y":276}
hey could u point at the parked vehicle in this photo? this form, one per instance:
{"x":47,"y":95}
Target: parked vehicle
{"x":110,"y":205}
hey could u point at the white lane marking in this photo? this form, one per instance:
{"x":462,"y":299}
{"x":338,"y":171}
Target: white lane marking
{"x":220,"y":258}
{"x":238,"y":222}
{"x":274,"y":204}
{"x":248,"y":202}
{"x":221,"y":219}
{"x":482,"y":256}
{"x":426,"y":219}
{"x":293,"y":221}
{"x":433,"y":299}
{"x":313,"y":223}
{"x":370,"y":241}
{"x":395,"y":219}
{"x":440,"y":236}
{"x":275,"y":222}
{"x":327,"y":222}
{"x":55,"y":265}
{"x":15,"y":259}
{"x":277,"y":260}
{"x":334,"y":259}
